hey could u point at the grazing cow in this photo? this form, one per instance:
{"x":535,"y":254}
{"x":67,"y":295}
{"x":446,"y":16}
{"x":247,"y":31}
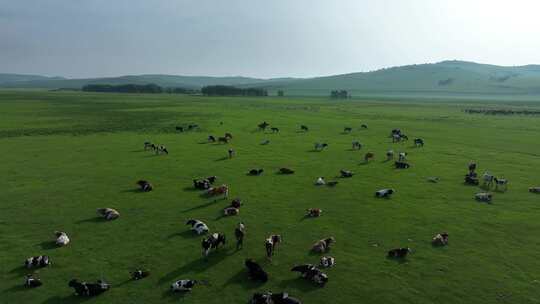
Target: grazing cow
{"x":395,"y":132}
{"x":108,"y":213}
{"x":39,"y":261}
{"x":84,"y":289}
{"x":271,"y":243}
{"x":487,"y":179}
{"x":255,"y":271}
{"x":223,"y":140}
{"x":440,"y":239}
{"x":402,"y":156}
{"x":320,"y":181}
{"x":312,"y":273}
{"x":183,"y":285}
{"x":314,"y":212}
{"x":32,"y":282}
{"x":363,"y":126}
{"x":402,"y":165}
{"x":228,"y":135}
{"x":356,"y":145}
{"x":180,"y":129}
{"x":399,"y":253}
{"x":212,"y":242}
{"x":322,"y":246}
{"x":346,"y":173}
{"x":471,"y":179}
{"x":369,"y":156}
{"x":147,"y":145}
{"x":304,"y":128}
{"x":502,"y":183}
{"x":386,"y":193}
{"x":211,"y":138}
{"x":161,"y":149}
{"x":347,"y":130}
{"x":320,"y":147}
{"x":231,"y":211}
{"x":483,"y":197}
{"x":419,"y":142}
{"x":62,"y":238}
{"x":265,"y":142}
{"x":286,"y":171}
{"x":239,"y":233}
{"x":389,"y":155}
{"x":203,"y":184}
{"x":275,"y":130}
{"x":216,"y":191}
{"x":145,"y":186}
{"x":139,"y":274}
{"x":534,"y":189}
{"x":256,"y":172}
{"x":262,"y":126}
{"x":231,"y":153}
{"x":327,"y":262}
{"x":273,"y":298}
{"x":198,"y":226}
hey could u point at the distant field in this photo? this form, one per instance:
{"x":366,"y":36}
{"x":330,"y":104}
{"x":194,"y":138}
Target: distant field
{"x":67,"y":153}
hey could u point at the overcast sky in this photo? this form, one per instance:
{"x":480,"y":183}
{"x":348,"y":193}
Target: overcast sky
{"x":260,"y":38}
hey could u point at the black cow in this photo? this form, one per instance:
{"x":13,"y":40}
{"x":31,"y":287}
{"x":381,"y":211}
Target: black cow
{"x":399,"y":253}
{"x":84,"y":289}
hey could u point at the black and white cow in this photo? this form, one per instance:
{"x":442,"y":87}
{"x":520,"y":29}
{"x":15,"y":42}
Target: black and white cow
{"x":239,"y":233}
{"x":62,"y":238}
{"x":402,"y":165}
{"x":230,"y":211}
{"x":145,"y":186}
{"x":347,"y":130}
{"x":39,"y":261}
{"x":198,"y":226}
{"x":304,"y":128}
{"x":255,"y":271}
{"x":471,"y":179}
{"x":231,"y":153}
{"x":402,"y":156}
{"x":440,"y":239}
{"x":212,"y":242}
{"x":108,"y":214}
{"x":399,"y":253}
{"x":389,"y":154}
{"x":487,"y":179}
{"x":501,"y":184}
{"x":211,"y":138}
{"x":271,"y":243}
{"x":31,"y":282}
{"x":85,"y":289}
{"x":356,"y":145}
{"x":322,"y":246}
{"x":320,"y":146}
{"x":386,"y":193}
{"x":256,"y":172}
{"x":286,"y":171}
{"x":483,"y":197}
{"x":363,"y":126}
{"x":139,"y":274}
{"x":274,"y":130}
{"x":265,"y":142}
{"x":183,"y":285}
{"x":312,"y":273}
{"x":534,"y":189}
{"x":346,"y":173}
{"x":327,"y":262}
{"x":273,"y":298}
{"x":419,"y":142}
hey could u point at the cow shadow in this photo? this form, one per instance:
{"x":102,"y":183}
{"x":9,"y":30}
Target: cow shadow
{"x":68,"y":299}
{"x":191,"y":189}
{"x":16,"y":288}
{"x":396,"y":260}
{"x":222,"y":158}
{"x":202,"y":206}
{"x":48,"y":245}
{"x":197,"y":266}
{"x":20,"y":271}
{"x":314,"y":150}
{"x":241,"y":278}
{"x":95,"y":219}
{"x":187,"y":234}
{"x":133,"y":190}
{"x":299,"y":283}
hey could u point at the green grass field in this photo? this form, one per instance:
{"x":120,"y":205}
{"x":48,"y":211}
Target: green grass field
{"x":67,"y":153}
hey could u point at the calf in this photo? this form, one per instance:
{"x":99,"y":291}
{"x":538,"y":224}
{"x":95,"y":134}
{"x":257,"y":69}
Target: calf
{"x":255,"y":271}
{"x":399,"y":253}
{"x":386,"y":193}
{"x":183,"y":285}
{"x":198,"y":226}
{"x":322,"y":246}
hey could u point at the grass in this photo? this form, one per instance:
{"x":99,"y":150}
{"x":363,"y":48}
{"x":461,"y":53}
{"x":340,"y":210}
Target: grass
{"x":67,"y":153}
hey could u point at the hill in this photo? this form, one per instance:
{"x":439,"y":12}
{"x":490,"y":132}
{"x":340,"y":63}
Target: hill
{"x":16,"y":79}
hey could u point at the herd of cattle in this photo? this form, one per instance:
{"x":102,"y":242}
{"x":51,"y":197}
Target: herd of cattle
{"x":313,"y":273}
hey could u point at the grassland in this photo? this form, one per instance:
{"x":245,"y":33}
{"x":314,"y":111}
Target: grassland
{"x":66,"y":154}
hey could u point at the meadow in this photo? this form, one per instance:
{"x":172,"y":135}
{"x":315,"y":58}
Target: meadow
{"x":67,"y":153}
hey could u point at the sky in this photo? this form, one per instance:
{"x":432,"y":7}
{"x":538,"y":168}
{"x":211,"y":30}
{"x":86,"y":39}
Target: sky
{"x":260,"y":38}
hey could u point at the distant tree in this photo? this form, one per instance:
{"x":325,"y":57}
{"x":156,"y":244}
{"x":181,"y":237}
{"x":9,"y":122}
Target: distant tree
{"x":339,"y":94}
{"x":280,"y":93}
{"x":221,"y":90}
{"x":123,"y":88}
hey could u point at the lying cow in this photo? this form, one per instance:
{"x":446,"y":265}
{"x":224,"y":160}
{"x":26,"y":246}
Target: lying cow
{"x":197,"y":226}
{"x":85,"y":289}
{"x":62,"y":238}
{"x":327,"y":262}
{"x":441,"y":239}
{"x":346,"y":173}
{"x":399,"y":253}
{"x":256,"y":172}
{"x":108,"y":213}
{"x":320,"y":181}
{"x":39,"y":261}
{"x":320,"y":146}
{"x":483,"y":197}
{"x":32,"y":282}
{"x":183,"y":285}
{"x":534,"y":189}
{"x":386,"y":193}
{"x":323,"y":245}
{"x":231,"y":211}
{"x":286,"y":171}
{"x":139,"y":274}
{"x":311,"y":273}
{"x":314,"y":212}
{"x":255,"y":271}
{"x":145,"y":186}
{"x":402,"y":165}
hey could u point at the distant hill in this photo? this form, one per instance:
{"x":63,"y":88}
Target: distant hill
{"x":447,"y":77}
{"x":15,"y":79}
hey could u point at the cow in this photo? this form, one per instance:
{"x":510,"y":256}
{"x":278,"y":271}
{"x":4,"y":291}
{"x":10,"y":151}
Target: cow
{"x":347,"y":130}
{"x":440,"y":239}
{"x":487,"y":180}
{"x":84,"y":289}
{"x":262,"y":126}
{"x":274,"y":130}
{"x":471,"y":179}
{"x":31,"y":281}
{"x":62,"y":238}
{"x":39,"y":261}
{"x":534,"y":189}
{"x":223,"y":140}
{"x":255,"y":271}
{"x":311,"y":273}
{"x":179,"y":129}
{"x":256,"y":172}
{"x":202,"y":184}
{"x":211,"y":179}
{"x":139,"y":274}
{"x":433,"y":179}
{"x":265,"y":142}
{"x":320,"y":146}
{"x":271,"y":243}
{"x":236,"y":203}
{"x":183,"y":285}
{"x":472,"y":166}
{"x":220,"y":190}
{"x":346,"y":173}
{"x":402,"y":156}
{"x":211,"y":138}
{"x":286,"y":171}
{"x":273,"y":298}
{"x":332,"y":183}
{"x":198,"y":226}
{"x":145,"y":186}
{"x":396,"y":138}
{"x":419,"y":142}
{"x":327,"y":262}
{"x":313,"y":212}
{"x":356,"y":145}
{"x":395,"y":132}
{"x":148,"y":145}
{"x":212,"y":242}
{"x":304,"y":128}
{"x":192,"y":127}
{"x":108,"y":214}
{"x":231,"y":153}
{"x":398,"y":253}
{"x":231,"y":211}
{"x":161,"y":149}
{"x":402,"y":165}
{"x":368,"y":156}
{"x":363,"y":126}
{"x":239,"y":233}
{"x":384,"y":193}
{"x":228,"y":135}
{"x":320,"y":181}
{"x":322,"y":246}
{"x":389,"y":155}
{"x":502,"y":183}
{"x":483,"y":197}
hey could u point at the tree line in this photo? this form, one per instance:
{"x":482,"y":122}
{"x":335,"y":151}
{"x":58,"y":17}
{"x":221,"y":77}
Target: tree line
{"x":339,"y":94}
{"x":222,"y":90}
{"x":136,"y":88}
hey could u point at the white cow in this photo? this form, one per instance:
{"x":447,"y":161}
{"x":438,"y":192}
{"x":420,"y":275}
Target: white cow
{"x":62,"y":238}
